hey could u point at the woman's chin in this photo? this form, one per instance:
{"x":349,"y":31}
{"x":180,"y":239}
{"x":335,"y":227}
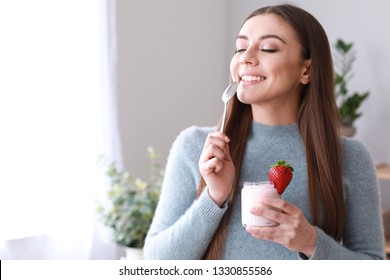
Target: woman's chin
{"x":244,"y":98}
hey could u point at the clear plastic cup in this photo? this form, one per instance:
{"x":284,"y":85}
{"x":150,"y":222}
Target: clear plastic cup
{"x":251,"y":194}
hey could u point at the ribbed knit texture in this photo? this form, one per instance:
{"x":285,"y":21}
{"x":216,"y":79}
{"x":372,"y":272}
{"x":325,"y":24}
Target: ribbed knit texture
{"x":183,"y":225}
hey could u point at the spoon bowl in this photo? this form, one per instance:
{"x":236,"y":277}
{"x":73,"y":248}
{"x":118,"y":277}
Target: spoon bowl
{"x":229,"y":92}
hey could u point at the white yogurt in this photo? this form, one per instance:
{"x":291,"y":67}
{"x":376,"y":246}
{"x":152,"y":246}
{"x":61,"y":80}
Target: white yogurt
{"x":251,"y":194}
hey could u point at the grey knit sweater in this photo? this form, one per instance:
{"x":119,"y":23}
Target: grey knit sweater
{"x":183,"y":225}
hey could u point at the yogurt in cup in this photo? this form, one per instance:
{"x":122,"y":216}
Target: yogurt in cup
{"x":251,"y":194}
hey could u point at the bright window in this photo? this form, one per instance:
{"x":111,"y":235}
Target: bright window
{"x":50,"y":116}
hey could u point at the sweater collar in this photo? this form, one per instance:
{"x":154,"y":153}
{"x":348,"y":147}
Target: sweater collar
{"x":260,"y":129}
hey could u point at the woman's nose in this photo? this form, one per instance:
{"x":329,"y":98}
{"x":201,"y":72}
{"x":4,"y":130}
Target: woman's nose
{"x":249,"y":56}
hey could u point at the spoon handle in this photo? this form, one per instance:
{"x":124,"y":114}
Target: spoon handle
{"x":223,"y":119}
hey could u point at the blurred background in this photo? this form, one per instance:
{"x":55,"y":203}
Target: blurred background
{"x":86,"y":78}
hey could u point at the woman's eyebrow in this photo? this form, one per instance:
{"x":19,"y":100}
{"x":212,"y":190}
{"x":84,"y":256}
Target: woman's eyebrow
{"x":244,"y":37}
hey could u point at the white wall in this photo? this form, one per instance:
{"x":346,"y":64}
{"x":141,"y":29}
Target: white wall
{"x":174,"y":58}
{"x":172,"y":72}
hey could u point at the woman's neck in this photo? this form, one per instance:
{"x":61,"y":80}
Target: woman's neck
{"x":273,"y":116}
{"x":277,"y":111}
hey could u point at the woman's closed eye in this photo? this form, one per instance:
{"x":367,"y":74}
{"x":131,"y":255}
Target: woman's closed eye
{"x":239,"y":50}
{"x":263,"y":50}
{"x":269,"y":50}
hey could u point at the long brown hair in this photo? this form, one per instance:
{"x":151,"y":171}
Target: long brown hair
{"x":318,"y":123}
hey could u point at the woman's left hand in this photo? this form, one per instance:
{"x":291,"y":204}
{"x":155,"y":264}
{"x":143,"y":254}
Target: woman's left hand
{"x":293,"y":231}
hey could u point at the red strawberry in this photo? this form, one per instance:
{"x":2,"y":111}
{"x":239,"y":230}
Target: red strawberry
{"x":280,"y":174}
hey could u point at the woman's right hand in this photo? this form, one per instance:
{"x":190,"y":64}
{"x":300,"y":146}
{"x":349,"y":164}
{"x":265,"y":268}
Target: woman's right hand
{"x":216,"y":166}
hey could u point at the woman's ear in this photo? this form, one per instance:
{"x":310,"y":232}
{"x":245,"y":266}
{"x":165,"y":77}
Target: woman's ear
{"x":305,"y":78}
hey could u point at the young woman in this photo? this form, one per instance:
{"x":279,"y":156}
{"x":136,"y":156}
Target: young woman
{"x":284,"y":109}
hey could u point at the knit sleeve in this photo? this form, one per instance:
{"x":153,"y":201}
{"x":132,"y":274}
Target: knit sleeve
{"x":183,"y":225}
{"x":363,"y":236}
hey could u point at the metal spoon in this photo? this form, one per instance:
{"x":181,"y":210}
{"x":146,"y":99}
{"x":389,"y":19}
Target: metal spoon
{"x":229,"y":92}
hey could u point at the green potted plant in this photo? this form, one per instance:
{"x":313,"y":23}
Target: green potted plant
{"x":131,"y":202}
{"x":348,"y":103}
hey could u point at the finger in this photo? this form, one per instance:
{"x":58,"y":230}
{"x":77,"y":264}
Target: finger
{"x":214,"y":151}
{"x":221,"y":135}
{"x":273,"y":214}
{"x":216,"y":138}
{"x":215,"y":146}
{"x":217,"y":142}
{"x":279,"y":203}
{"x":210,"y":152}
{"x":264,"y":233}
{"x":211,"y":166}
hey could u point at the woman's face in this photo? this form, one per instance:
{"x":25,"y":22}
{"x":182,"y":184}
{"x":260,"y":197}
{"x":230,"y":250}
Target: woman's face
{"x":268,"y":64}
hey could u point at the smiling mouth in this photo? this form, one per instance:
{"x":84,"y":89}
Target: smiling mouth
{"x":248,"y":78}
